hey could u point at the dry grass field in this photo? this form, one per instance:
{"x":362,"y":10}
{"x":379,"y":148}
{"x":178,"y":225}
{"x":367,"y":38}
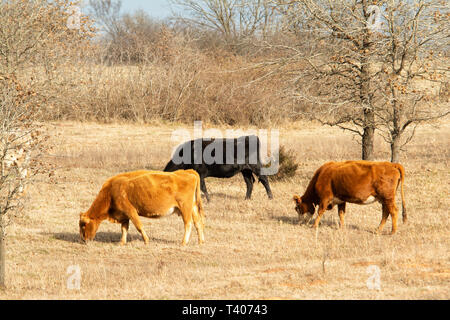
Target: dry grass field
{"x":254,"y":249}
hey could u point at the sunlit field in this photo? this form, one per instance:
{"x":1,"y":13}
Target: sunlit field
{"x":254,"y":249}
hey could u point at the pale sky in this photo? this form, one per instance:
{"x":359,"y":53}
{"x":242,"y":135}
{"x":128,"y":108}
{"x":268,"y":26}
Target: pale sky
{"x":155,"y":8}
{"x":158,"y":9}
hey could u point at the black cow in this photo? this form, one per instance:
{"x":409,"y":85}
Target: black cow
{"x":221,"y":158}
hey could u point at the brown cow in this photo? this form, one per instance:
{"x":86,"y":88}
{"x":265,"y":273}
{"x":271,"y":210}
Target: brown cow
{"x":360,"y":182}
{"x":151,"y":194}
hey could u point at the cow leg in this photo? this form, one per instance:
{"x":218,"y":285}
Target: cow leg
{"x":320,"y":212}
{"x":393,"y":211}
{"x":248,"y":178}
{"x":383,"y":218}
{"x":265,"y":182}
{"x":126,"y":207}
{"x":341,"y":211}
{"x":187,"y":232}
{"x":190,"y":212}
{"x":187,"y":229}
{"x":138,"y":224}
{"x":203,"y":188}
{"x":124,"y":227}
{"x":263,"y":179}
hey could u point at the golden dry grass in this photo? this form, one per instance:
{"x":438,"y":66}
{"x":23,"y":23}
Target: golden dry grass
{"x":254,"y":249}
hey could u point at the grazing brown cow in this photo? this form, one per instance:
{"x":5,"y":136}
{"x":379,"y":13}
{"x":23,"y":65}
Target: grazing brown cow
{"x":150,"y":194}
{"x":360,"y":182}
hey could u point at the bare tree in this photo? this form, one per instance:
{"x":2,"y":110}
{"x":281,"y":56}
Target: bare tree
{"x":34,"y":35}
{"x":358,"y":49}
{"x":107,"y":14}
{"x":34,"y":31}
{"x":126,"y":38}
{"x":233,"y":19}
{"x":411,"y":47}
{"x":21,"y":143}
{"x":337,"y":67}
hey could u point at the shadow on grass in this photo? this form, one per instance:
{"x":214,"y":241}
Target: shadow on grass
{"x":335,"y":225}
{"x":225,"y":196}
{"x":323,"y":223}
{"x":106,"y":237}
{"x":287,"y":220}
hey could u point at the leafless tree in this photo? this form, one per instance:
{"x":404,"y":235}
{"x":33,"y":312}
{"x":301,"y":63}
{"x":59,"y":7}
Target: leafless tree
{"x":412,"y":67}
{"x":234,"y":20}
{"x":22,"y":142}
{"x":36,"y":32}
{"x":107,"y":14}
{"x":126,"y":37}
{"x":357,"y":50}
{"x":33,"y":34}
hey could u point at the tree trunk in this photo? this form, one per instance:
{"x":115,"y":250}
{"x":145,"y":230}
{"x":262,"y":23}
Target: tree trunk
{"x":368,"y":135}
{"x":2,"y":257}
{"x":367,"y":144}
{"x":395,"y":150}
{"x":395,"y":131}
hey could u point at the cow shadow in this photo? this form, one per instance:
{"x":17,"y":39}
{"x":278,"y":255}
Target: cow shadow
{"x":224,"y":196}
{"x":286,"y":220}
{"x":324,"y":223}
{"x":335,"y":225}
{"x":106,"y":237}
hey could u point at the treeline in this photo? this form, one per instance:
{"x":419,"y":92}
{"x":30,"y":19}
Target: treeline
{"x":114,"y":66}
{"x":209,"y":64}
{"x":363,"y":66}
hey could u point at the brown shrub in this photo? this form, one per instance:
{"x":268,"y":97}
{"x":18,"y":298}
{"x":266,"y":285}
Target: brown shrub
{"x":181,"y":84}
{"x":288,"y":165}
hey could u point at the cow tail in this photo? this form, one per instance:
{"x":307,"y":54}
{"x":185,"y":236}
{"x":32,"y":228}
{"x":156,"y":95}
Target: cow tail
{"x":402,"y":179}
{"x":198,"y":198}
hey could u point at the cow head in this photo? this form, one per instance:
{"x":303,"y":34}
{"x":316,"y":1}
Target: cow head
{"x":88,"y":228}
{"x":303,"y":207}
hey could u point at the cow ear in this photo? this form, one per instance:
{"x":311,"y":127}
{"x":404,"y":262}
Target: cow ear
{"x":297,"y":199}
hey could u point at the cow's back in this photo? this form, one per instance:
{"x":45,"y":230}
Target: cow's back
{"x":230,"y":149}
{"x":236,"y":155}
{"x":156,"y":193}
{"x":358,"y":179}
